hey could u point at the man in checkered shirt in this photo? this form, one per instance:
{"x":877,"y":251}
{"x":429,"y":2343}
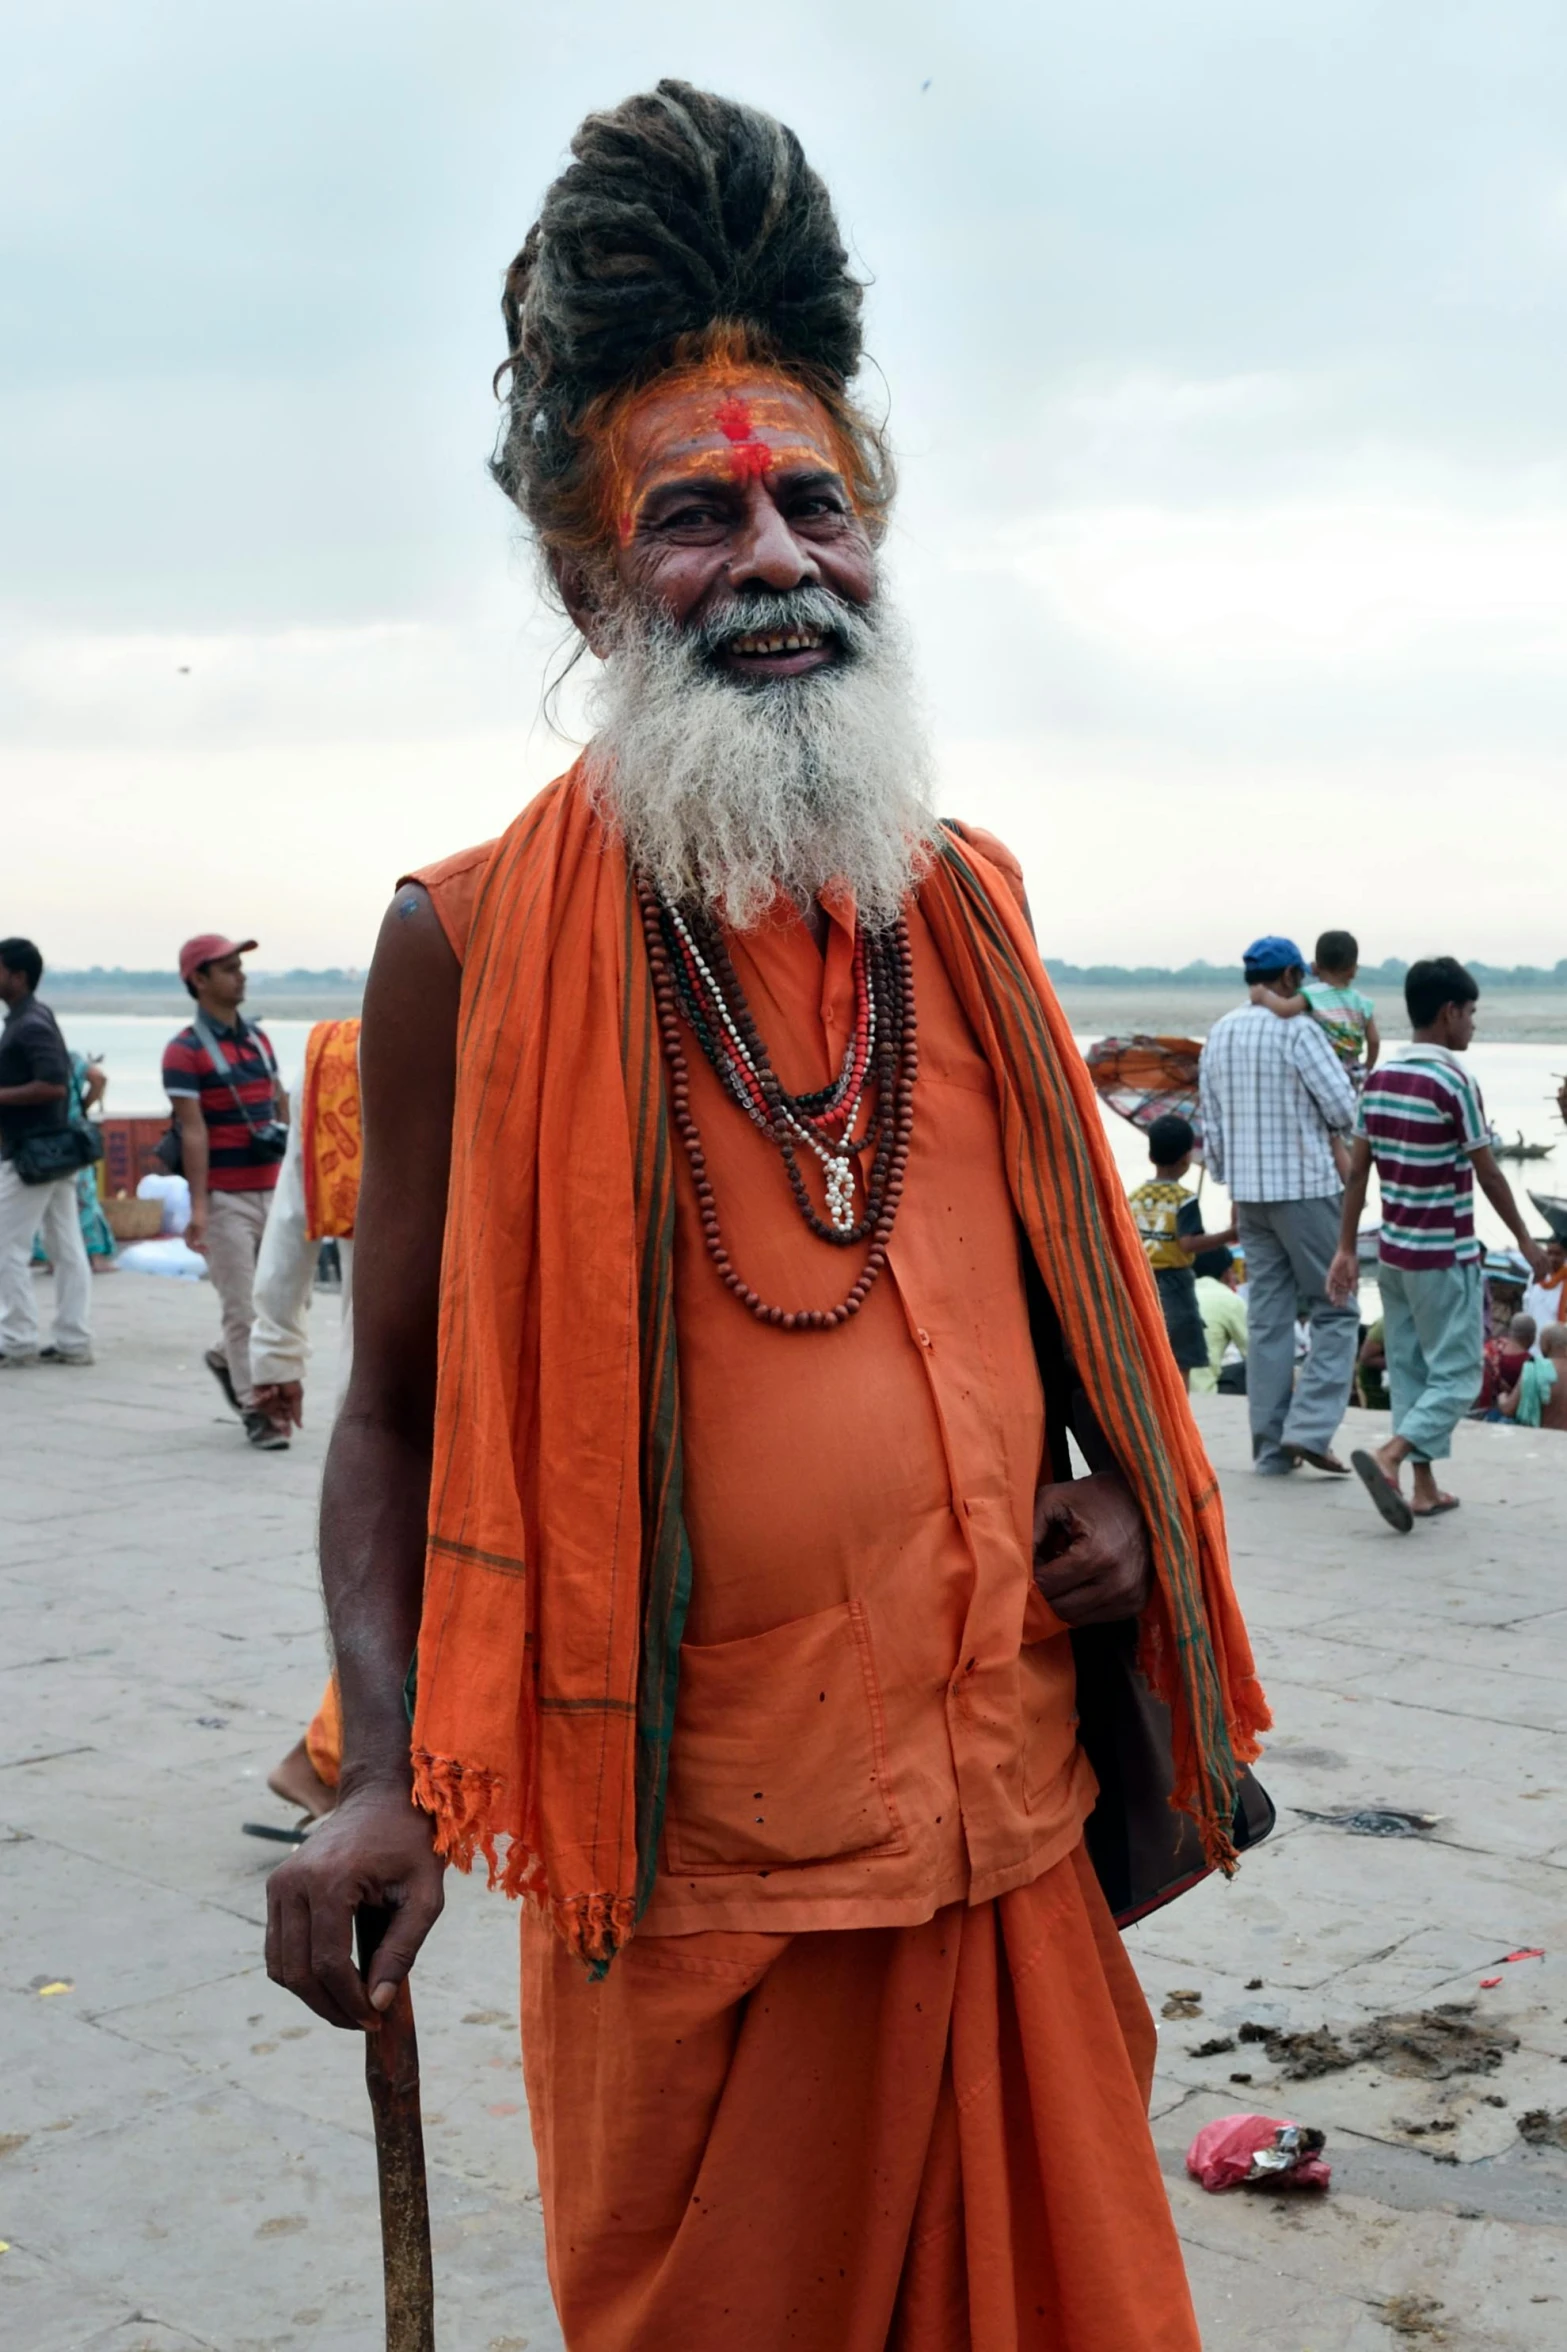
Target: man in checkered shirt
{"x":1274,"y":1095}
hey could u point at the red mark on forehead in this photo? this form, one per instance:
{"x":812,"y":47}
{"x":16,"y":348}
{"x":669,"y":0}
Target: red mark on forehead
{"x":749,"y":458}
{"x":733,"y":419}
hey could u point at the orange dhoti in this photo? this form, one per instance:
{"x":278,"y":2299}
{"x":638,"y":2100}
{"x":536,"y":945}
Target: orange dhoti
{"x":324,"y":1738}
{"x":928,"y":2139}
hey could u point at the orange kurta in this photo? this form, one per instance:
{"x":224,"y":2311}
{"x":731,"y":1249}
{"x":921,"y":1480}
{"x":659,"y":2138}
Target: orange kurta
{"x":876,"y":1711}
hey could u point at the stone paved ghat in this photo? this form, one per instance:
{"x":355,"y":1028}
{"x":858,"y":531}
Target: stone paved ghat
{"x":185,"y":2157}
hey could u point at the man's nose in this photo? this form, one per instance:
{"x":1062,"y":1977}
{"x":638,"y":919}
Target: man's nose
{"x":767,"y":554}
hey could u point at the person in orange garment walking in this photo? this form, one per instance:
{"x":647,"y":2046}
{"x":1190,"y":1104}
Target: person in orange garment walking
{"x":737,"y":1241}
{"x":317,"y":1199}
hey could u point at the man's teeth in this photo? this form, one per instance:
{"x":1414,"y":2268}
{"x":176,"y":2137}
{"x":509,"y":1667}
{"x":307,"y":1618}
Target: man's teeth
{"x":797,"y":641}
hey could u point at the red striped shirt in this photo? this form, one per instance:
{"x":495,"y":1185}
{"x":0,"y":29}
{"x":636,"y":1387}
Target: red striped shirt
{"x":233,"y":1163}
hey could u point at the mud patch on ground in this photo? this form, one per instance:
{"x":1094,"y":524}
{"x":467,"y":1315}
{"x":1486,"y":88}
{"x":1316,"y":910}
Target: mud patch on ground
{"x":1374,"y":1820}
{"x":1429,"y":2044}
{"x":1413,"y":2315}
{"x":1542,"y":2129}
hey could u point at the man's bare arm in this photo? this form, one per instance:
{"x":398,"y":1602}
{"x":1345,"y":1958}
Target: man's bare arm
{"x":376,"y":1847}
{"x":1288,"y":1008}
{"x":196,"y":1161}
{"x":1344,"y":1273}
{"x":1500,"y":1194}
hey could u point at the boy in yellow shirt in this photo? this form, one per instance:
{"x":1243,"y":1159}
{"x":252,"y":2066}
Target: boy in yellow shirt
{"x":1156,"y":1205}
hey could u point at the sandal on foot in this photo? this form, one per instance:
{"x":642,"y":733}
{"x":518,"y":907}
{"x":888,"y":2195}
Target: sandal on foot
{"x":1443,"y":1503}
{"x":1323,"y":1461}
{"x":1382,"y":1491}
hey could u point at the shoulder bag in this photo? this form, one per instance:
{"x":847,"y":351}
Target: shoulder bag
{"x":43,"y":1158}
{"x":1144,"y":1852}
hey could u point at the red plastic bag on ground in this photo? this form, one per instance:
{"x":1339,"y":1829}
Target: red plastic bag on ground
{"x":1261,"y":2148}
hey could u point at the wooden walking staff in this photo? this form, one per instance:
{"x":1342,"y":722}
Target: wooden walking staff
{"x":392,"y":2079}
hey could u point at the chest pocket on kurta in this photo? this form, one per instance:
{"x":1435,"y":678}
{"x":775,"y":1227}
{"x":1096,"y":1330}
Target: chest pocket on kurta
{"x":779,"y":1750}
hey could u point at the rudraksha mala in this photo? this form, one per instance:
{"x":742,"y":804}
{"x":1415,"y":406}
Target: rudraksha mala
{"x":695,"y":985}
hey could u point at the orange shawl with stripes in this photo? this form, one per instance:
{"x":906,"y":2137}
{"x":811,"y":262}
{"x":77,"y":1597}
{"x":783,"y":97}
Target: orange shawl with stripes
{"x":558,"y":1570}
{"x":333,"y":1138}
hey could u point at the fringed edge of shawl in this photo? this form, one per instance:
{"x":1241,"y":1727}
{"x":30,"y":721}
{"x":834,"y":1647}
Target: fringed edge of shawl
{"x":463,"y":1800}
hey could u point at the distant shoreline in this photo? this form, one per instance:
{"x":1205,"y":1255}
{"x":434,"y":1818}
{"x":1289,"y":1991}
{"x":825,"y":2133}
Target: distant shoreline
{"x":331,"y":993}
{"x":1519,"y":1015}
{"x":1508,"y":1016}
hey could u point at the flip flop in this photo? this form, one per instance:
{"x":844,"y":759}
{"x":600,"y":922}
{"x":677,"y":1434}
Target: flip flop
{"x":1447,"y":1503}
{"x":1383,"y":1492}
{"x":1328,"y":1462}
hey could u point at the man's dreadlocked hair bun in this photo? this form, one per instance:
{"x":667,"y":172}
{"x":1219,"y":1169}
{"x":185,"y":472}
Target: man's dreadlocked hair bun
{"x":688,"y":227}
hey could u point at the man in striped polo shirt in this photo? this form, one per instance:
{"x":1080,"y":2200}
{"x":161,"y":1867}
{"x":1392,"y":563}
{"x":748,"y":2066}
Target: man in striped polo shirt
{"x":1422,"y":1122}
{"x":232,"y":1129}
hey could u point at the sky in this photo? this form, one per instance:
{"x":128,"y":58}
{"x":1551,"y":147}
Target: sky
{"x":1224,"y":356}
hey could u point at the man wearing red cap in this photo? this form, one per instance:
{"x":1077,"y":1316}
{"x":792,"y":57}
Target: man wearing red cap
{"x":230,"y":1113}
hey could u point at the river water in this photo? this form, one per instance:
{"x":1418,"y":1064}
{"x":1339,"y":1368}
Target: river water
{"x":1517,"y":1078}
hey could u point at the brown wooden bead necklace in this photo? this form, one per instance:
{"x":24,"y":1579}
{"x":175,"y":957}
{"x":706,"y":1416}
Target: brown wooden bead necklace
{"x":695,"y":986}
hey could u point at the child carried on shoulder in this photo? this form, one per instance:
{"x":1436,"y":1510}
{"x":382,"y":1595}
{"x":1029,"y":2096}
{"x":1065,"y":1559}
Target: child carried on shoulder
{"x":1347,"y":1018}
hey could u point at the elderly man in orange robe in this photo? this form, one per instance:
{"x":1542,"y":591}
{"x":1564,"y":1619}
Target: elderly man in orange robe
{"x":737,"y":1241}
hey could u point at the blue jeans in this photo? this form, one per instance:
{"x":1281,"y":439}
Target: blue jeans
{"x":1435,"y":1352}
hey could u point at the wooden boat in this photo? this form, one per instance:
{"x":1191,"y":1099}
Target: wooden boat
{"x":1520,"y":1150}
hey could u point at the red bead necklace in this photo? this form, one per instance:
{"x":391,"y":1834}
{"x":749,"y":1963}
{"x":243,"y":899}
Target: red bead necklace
{"x":695,"y":986}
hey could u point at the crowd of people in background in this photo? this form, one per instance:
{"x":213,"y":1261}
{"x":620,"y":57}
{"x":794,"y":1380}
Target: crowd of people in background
{"x":1297,"y":1109}
{"x":232,"y":1137}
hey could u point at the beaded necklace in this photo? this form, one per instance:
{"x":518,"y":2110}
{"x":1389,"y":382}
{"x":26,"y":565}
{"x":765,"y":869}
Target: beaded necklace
{"x":695,"y":982}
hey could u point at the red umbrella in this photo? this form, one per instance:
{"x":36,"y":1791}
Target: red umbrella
{"x":1142,"y":1078}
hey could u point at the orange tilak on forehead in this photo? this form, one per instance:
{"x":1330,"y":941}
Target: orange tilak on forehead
{"x":741,"y":423}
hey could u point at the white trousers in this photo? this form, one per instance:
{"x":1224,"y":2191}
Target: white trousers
{"x":25,"y":1211}
{"x":236,"y":1222}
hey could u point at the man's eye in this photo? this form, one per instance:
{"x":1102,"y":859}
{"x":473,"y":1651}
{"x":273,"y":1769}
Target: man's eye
{"x":687,"y":518}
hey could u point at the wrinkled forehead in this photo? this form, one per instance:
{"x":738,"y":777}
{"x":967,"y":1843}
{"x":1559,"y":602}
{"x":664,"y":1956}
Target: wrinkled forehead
{"x":732,"y":424}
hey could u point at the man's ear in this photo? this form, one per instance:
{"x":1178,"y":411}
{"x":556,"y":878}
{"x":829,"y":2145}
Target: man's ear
{"x":581,"y":591}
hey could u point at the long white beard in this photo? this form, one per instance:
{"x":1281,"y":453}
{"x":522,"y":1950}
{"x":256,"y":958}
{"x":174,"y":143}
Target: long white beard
{"x":727,"y":793}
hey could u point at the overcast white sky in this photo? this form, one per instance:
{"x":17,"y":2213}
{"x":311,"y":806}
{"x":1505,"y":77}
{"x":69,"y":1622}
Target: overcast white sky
{"x":1224,"y":343}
